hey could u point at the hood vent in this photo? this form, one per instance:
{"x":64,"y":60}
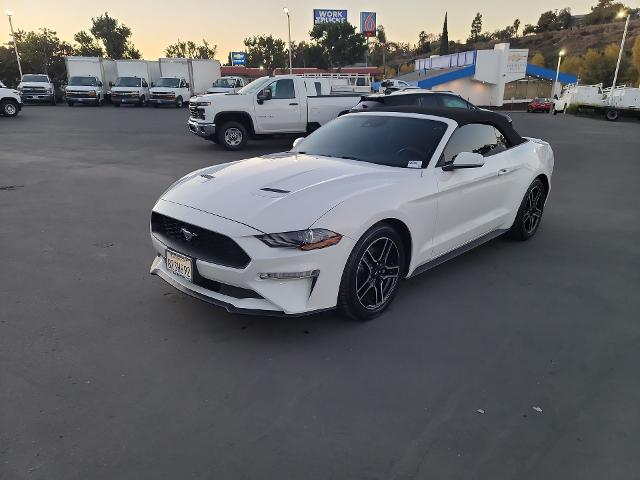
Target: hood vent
{"x":208,"y":176}
{"x":274,"y":190}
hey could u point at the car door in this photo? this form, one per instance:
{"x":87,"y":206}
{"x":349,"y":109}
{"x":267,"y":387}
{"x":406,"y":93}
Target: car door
{"x":470,"y":200}
{"x":283,"y":112}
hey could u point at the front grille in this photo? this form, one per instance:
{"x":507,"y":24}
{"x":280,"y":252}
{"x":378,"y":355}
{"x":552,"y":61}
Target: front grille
{"x":195,"y":111}
{"x":79,"y":94}
{"x":163,"y":95}
{"x":205,"y":245}
{"x":37,"y":90}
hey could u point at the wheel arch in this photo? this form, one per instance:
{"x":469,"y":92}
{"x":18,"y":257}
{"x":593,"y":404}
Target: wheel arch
{"x":545,"y":181}
{"x":242,"y":117}
{"x":405,"y":234}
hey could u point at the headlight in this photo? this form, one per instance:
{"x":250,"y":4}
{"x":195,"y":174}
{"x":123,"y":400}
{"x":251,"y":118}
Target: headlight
{"x":20,"y":89}
{"x":311,"y":239}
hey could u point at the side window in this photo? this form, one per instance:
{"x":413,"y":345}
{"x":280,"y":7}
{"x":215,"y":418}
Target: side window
{"x":429,"y":101}
{"x":282,"y":89}
{"x":450,"y":101}
{"x":144,"y":83}
{"x":395,"y":100}
{"x":476,"y":138}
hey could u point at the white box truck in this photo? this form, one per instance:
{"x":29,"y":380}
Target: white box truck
{"x":88,"y":79}
{"x":134,"y":80}
{"x":181,"y":78}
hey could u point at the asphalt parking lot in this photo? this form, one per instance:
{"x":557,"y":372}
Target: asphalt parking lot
{"x":108,"y":373}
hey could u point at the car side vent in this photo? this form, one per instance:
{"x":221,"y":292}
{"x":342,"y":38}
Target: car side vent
{"x":208,"y":176}
{"x":274,"y":190}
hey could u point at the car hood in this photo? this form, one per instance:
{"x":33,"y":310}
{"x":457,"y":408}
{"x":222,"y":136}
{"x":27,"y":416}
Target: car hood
{"x":34,"y":84}
{"x":220,"y":90}
{"x":165,"y":89}
{"x":281,"y":192}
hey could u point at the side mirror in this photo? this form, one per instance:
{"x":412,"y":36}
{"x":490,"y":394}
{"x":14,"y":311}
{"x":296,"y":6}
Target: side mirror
{"x":187,"y":85}
{"x":153,"y":84}
{"x":264,"y":95}
{"x":464,"y":160}
{"x":100,"y":84}
{"x":111,"y":84}
{"x":297,"y":141}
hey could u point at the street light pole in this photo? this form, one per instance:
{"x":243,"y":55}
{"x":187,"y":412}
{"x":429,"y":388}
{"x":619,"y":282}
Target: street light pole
{"x":286,"y":10}
{"x":555,"y":83}
{"x":621,"y":14}
{"x":15,"y":45}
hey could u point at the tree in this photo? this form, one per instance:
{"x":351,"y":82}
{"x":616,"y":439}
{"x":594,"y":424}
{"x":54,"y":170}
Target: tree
{"x":599,"y":67}
{"x":87,"y":45}
{"x":572,"y":65}
{"x":340,"y":43}
{"x":476,"y":28}
{"x":529,"y":29}
{"x":40,"y":52}
{"x":307,"y":55}
{"x":189,"y":49}
{"x":424,"y":43}
{"x":604,"y":11}
{"x":635,"y":56}
{"x":266,"y":51}
{"x":106,"y":33}
{"x":538,"y":59}
{"x":516,"y":26}
{"x":444,"y":38}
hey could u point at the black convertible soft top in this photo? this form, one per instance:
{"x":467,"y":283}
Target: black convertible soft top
{"x":462,"y":117}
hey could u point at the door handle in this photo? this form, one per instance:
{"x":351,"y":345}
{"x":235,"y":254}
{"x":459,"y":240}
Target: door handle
{"x":293,"y":103}
{"x":504,"y":171}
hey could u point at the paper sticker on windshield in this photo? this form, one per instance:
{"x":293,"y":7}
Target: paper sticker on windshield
{"x":414,"y":164}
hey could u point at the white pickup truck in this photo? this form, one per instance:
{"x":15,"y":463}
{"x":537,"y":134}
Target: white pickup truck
{"x":283,"y":104}
{"x":227,"y":85}
{"x":10,"y":101}
{"x":37,"y":87}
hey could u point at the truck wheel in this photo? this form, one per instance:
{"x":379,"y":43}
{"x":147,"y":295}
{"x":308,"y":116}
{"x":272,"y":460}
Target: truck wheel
{"x":142,"y":101}
{"x":232,"y":136}
{"x":116,"y":104}
{"x":612,"y":115}
{"x":155,"y":105}
{"x":9,"y":108}
{"x":179,"y":102}
{"x":70,"y":104}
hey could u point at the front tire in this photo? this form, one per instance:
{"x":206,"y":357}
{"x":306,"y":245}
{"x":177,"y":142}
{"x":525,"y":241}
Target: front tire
{"x":372,"y":274}
{"x":9,"y":108}
{"x":179,"y":102}
{"x":233,"y":136}
{"x":530,"y":212}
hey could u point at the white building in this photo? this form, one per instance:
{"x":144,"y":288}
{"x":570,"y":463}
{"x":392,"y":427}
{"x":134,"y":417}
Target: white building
{"x":480,"y":76}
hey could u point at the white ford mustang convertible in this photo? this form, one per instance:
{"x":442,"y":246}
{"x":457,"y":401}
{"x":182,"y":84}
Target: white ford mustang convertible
{"x":365,"y":201}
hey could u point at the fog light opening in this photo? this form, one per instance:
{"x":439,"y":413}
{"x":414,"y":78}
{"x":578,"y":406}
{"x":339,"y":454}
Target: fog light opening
{"x":289,"y":275}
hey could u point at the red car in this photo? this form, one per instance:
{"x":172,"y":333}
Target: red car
{"x":539,"y":105}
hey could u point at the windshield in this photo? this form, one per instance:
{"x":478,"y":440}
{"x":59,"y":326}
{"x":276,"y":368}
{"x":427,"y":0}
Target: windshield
{"x":83,"y":81}
{"x":254,"y":86}
{"x":128,"y":82}
{"x":225,"y":82}
{"x":35,"y":78}
{"x":381,"y":139}
{"x":2,"y":85}
{"x":169,"y":82}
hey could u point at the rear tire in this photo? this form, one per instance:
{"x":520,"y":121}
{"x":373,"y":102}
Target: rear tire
{"x":529,"y":214}
{"x":612,"y":115}
{"x":9,"y":107}
{"x":372,"y":274}
{"x":232,"y":136}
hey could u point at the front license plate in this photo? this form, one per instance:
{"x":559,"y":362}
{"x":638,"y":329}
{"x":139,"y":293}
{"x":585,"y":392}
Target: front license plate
{"x":179,"y":264}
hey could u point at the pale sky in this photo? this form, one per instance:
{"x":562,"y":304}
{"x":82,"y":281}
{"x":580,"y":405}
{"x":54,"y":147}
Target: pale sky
{"x":157,"y":23}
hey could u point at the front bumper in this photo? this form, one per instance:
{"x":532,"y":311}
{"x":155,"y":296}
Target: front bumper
{"x":204,"y":130}
{"x":273,"y":297}
{"x":162,"y":101}
{"x":87,"y":99}
{"x":37,"y":97}
{"x":122,"y":99}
